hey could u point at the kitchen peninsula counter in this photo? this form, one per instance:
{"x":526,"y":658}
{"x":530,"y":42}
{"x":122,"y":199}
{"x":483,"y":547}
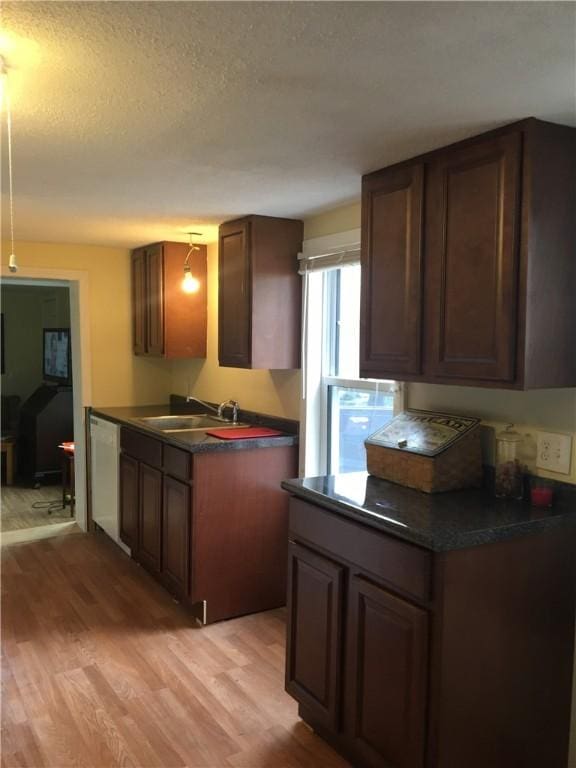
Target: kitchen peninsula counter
{"x":431,"y":630}
{"x":438,"y":522}
{"x":205,"y":517}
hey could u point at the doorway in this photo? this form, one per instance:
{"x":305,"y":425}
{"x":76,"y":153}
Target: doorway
{"x":50,"y":402}
{"x":37,"y":406}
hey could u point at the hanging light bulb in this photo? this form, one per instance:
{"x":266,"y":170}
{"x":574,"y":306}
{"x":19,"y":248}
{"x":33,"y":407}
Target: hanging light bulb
{"x":190,"y":284}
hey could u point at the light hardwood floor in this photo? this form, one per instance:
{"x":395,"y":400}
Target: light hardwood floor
{"x":17,"y":510}
{"x":101,"y":668}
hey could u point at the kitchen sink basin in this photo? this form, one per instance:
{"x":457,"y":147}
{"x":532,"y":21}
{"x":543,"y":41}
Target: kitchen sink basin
{"x":200,"y":422}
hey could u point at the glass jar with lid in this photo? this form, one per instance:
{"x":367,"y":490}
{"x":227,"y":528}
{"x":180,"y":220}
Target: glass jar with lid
{"x":508,"y":479}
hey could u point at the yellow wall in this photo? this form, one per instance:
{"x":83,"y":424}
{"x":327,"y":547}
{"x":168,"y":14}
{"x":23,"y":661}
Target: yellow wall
{"x":340,"y":219}
{"x":272,"y":392}
{"x":118,"y":378}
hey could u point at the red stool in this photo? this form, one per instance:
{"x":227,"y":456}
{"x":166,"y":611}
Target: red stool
{"x":68,"y":476}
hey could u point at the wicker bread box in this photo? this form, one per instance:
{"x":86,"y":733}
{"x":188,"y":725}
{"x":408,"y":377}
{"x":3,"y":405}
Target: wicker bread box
{"x":429,"y":451}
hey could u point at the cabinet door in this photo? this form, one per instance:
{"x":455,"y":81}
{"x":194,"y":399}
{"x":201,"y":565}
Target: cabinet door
{"x":150,"y":528}
{"x":472,"y":224}
{"x":128,"y":500}
{"x":139,"y":304}
{"x":235,"y":295}
{"x":155,"y":296}
{"x":386,"y":677}
{"x":391,"y":322}
{"x":175,"y":536}
{"x":315,"y":619}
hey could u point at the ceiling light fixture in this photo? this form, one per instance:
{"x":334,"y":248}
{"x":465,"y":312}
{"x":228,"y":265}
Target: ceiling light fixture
{"x":190,"y":284}
{"x":12,"y":263}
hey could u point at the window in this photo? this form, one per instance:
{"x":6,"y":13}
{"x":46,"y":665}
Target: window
{"x":354,"y":407}
{"x":341,"y":410}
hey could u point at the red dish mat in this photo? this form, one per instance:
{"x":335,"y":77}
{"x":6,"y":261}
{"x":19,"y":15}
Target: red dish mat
{"x":241,"y":433}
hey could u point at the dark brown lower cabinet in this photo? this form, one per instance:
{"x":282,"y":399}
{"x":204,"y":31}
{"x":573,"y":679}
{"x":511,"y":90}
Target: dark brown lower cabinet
{"x":316,"y":610}
{"x":176,"y":514}
{"x":401,"y":657}
{"x":129,"y":500}
{"x":210,"y":527}
{"x":386,"y":667}
{"x":150,"y":523}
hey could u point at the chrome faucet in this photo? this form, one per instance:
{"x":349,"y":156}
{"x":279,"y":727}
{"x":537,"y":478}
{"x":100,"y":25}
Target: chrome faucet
{"x":192,"y":399}
{"x":229,"y":404}
{"x":220,"y":409}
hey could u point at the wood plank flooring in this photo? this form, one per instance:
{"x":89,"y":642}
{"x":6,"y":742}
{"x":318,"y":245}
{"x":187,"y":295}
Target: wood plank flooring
{"x":102,"y":669}
{"x":17,"y":510}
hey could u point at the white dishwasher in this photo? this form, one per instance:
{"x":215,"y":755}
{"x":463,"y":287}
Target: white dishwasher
{"x":104,"y":453}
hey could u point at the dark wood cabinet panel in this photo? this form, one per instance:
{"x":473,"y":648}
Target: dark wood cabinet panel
{"x":314,"y":647}
{"x":472,"y":208}
{"x":166,"y":321}
{"x":547,"y":310}
{"x":185,"y":314}
{"x":177,"y":462}
{"x":235,"y":295}
{"x":239,"y":535}
{"x":129,"y":500}
{"x":391,"y":323}
{"x":176,"y":515}
{"x":141,"y":447}
{"x":150,"y":523}
{"x":502,"y":682}
{"x":259,"y":303}
{"x":155,"y":299}
{"x":139,"y":315}
{"x":386,"y":677}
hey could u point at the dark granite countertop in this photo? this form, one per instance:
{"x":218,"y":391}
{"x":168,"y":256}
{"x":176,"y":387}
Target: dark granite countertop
{"x":439,"y":522}
{"x":199,"y":441}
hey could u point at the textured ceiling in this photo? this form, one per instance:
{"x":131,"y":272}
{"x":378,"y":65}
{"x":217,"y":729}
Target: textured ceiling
{"x":136,"y":121}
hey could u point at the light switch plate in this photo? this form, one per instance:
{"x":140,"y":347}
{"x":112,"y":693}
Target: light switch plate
{"x":554,"y":452}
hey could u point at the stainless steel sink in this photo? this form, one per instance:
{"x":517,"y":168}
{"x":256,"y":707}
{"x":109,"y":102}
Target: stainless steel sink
{"x":200,"y":422}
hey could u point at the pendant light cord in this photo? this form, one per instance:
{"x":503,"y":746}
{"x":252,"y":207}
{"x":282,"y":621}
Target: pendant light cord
{"x":10,"y":182}
{"x":6,"y":95}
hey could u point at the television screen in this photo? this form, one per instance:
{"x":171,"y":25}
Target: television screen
{"x":57,"y":354}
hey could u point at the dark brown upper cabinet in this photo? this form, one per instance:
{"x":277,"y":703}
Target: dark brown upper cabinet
{"x":166,"y":322}
{"x":472,"y":197}
{"x":392,"y":207}
{"x":259,"y":300}
{"x":469,"y":265}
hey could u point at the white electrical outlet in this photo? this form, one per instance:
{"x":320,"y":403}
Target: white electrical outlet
{"x":554,"y":452}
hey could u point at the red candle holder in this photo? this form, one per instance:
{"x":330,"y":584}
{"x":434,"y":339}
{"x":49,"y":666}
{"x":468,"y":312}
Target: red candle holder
{"x":541,"y":496}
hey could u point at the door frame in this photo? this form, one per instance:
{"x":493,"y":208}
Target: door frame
{"x":78,"y":283}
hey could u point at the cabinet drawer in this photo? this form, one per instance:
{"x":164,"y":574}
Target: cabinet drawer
{"x":404,"y":567}
{"x":177,"y":463}
{"x":141,"y":447}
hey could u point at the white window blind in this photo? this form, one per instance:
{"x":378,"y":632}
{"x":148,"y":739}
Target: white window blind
{"x":326,"y":261}
{"x":320,"y":254}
